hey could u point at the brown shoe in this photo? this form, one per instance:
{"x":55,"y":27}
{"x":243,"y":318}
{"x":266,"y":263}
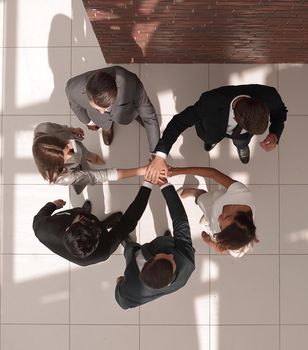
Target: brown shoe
{"x":108,"y":135}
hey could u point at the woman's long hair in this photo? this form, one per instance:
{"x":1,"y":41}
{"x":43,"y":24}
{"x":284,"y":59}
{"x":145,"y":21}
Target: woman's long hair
{"x":48,"y":153}
{"x":238,"y":234}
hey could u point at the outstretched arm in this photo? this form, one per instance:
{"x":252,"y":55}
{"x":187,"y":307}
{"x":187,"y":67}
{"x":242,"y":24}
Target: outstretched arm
{"x":211,"y":173}
{"x":176,"y":126}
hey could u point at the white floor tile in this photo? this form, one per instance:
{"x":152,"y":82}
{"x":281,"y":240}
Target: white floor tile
{"x":188,"y":305}
{"x":293,"y":86}
{"x":293,"y":289}
{"x":14,"y":337}
{"x":292,"y":152}
{"x":1,"y":75}
{"x":33,"y":23}
{"x":266,"y":199}
{"x":90,"y":58}
{"x":35,"y":79}
{"x":244,"y":291}
{"x":238,"y":74}
{"x":174,"y":87}
{"x":92,"y":294}
{"x":244,"y":337}
{"x":83,"y":34}
{"x":21,"y":205}
{"x":261,"y":169}
{"x":1,"y":21}
{"x":104,"y":337}
{"x":291,"y":335}
{"x":174,"y":337}
{"x":293,"y":219}
{"x":18,"y":164}
{"x":35,"y":289}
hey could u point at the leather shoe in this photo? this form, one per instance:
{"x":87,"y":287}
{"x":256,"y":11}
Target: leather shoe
{"x":108,"y":135}
{"x":112,"y":219}
{"x":244,"y":154}
{"x":209,"y":146}
{"x":87,"y":207}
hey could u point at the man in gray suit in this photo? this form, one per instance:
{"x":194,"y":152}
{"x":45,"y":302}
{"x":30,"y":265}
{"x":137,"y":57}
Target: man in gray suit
{"x":113,"y":94}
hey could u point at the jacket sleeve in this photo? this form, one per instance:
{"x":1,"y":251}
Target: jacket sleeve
{"x":42,"y":216}
{"x":90,"y":176}
{"x":81,"y":113}
{"x":175,"y":127}
{"x":147,"y":113}
{"x":181,"y":229}
{"x":63,"y":132}
{"x":130,"y":218}
{"x":278,"y":114}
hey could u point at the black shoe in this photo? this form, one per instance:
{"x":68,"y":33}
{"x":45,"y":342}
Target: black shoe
{"x":244,"y":154}
{"x":108,"y":135}
{"x":209,"y":146}
{"x":87,"y":207}
{"x":112,"y":219}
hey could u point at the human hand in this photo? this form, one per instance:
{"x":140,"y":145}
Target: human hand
{"x":162,"y":181}
{"x":269,"y":143}
{"x":78,"y":132}
{"x":120,"y":279}
{"x":156,"y":168}
{"x":60,"y":203}
{"x":93,"y":127}
{"x":206,"y":237}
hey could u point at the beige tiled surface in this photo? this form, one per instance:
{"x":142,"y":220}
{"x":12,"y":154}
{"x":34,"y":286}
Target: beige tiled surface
{"x":244,"y":337}
{"x":257,"y":302}
{"x":48,"y":337}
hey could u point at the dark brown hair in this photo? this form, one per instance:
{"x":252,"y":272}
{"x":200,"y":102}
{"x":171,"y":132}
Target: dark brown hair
{"x":49,"y":156}
{"x":102,"y":89}
{"x":156,"y":274}
{"x":238,"y":234}
{"x":252,"y":115}
{"x":82,"y":239}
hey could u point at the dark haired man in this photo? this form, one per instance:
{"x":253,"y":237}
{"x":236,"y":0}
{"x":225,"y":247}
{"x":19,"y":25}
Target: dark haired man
{"x":161,"y":266}
{"x":79,"y":237}
{"x":113,"y":94}
{"x":236,"y":112}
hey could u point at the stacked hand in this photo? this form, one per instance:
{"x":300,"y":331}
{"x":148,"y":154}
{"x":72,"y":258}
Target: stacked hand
{"x":93,"y":127}
{"x":60,"y":203}
{"x":269,"y":143}
{"x":157,"y":169}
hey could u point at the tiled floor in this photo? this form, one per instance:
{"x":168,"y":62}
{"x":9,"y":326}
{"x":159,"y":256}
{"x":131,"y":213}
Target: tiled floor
{"x":258,"y":302}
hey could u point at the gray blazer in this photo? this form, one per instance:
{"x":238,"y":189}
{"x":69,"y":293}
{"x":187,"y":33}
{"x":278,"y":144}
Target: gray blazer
{"x":130,"y":102}
{"x":77,"y":169}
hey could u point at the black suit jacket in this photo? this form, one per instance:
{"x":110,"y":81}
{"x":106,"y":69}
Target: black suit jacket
{"x":50,"y":229}
{"x":131,"y":292}
{"x":211,"y":113}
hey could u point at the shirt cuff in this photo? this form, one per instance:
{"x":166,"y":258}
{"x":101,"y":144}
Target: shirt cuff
{"x":147,"y":184}
{"x":161,"y":154}
{"x":112,"y":174}
{"x":165,"y":185}
{"x":91,"y":123}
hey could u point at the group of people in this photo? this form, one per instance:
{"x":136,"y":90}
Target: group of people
{"x":114,"y":95}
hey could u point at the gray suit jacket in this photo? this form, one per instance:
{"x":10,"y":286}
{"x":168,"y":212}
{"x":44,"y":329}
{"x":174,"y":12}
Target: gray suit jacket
{"x":130,"y":102}
{"x":77,"y":172}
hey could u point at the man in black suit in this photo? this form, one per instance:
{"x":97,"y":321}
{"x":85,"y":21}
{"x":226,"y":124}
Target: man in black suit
{"x":79,"y":237}
{"x":236,"y":112}
{"x":161,"y":266}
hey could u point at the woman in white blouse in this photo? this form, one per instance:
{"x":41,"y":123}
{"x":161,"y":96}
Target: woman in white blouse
{"x":228,"y":212}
